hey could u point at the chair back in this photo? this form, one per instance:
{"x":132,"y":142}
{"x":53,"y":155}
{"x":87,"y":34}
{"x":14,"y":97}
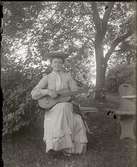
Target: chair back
{"x":126,"y":90}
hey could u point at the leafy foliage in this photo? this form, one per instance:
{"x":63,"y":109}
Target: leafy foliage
{"x":19,"y":16}
{"x":121,"y":73}
{"x":18,"y":108}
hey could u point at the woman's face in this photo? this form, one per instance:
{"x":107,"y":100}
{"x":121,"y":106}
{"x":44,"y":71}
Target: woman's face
{"x":57,"y":64}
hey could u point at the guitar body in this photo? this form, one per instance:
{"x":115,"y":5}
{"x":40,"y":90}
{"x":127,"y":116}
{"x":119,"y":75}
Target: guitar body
{"x":48,"y":102}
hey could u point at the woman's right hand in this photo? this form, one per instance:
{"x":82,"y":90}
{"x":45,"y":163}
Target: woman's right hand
{"x":52,"y":93}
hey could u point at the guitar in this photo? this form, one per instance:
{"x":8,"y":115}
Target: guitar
{"x":48,"y":102}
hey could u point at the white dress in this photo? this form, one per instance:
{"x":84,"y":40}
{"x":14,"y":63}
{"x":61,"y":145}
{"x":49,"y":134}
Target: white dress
{"x":63,"y":129}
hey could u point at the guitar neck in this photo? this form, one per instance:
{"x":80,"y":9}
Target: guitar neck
{"x":64,"y":94}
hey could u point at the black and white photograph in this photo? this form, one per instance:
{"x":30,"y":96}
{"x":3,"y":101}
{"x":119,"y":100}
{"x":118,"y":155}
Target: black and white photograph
{"x":68,"y":79}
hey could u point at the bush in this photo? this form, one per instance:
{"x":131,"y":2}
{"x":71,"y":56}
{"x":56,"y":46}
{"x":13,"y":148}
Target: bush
{"x":122,"y":73}
{"x":19,"y":109}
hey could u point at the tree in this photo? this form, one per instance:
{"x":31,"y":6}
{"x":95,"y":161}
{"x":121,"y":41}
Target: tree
{"x":94,"y":25}
{"x":102,"y":31}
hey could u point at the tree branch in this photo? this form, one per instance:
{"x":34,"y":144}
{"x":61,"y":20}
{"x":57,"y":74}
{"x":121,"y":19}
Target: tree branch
{"x":96,"y":18}
{"x":115,"y":43}
{"x":106,"y":16}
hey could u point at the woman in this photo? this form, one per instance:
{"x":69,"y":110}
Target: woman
{"x":63,"y":129}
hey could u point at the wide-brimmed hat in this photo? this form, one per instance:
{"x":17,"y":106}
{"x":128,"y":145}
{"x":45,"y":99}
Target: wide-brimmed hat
{"x":57,"y":54}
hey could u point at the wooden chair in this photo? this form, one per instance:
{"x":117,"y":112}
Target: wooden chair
{"x":127,"y":111}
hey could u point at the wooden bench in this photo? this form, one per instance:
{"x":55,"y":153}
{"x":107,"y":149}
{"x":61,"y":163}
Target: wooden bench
{"x":126,"y":113}
{"x":84,"y":111}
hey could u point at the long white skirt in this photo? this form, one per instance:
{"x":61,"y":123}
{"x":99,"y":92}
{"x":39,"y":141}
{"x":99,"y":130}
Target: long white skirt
{"x":64,"y":130}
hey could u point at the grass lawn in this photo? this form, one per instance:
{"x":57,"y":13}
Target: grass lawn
{"x":105,"y":149}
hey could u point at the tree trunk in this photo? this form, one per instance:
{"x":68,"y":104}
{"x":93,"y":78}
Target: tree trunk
{"x":100,"y":80}
{"x":100,"y":75}
{"x":100,"y":63}
{"x":101,"y":66}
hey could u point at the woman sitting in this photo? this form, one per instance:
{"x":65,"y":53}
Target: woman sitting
{"x":63,"y":129}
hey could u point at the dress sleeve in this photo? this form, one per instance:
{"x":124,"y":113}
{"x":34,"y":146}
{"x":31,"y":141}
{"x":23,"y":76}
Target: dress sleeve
{"x":72,"y":83}
{"x":40,"y":89}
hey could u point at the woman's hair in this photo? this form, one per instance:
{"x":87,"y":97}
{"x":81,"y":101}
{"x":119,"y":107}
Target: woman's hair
{"x":58,"y":55}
